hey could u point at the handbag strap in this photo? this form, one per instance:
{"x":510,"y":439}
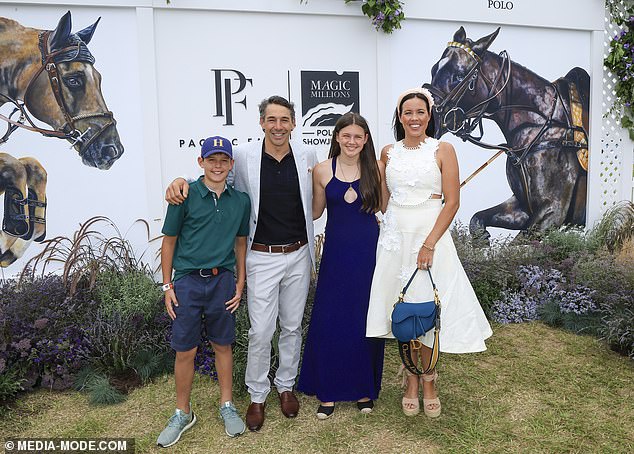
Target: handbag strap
{"x":405,"y":348}
{"x":405,"y":351}
{"x":401,"y":296}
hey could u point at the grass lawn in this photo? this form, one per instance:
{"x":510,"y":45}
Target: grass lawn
{"x":536,"y":389}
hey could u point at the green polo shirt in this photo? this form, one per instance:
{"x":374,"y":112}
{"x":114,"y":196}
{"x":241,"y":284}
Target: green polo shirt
{"x":206,"y":227}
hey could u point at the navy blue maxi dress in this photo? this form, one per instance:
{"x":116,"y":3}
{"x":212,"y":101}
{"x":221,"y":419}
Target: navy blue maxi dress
{"x":339,"y":362}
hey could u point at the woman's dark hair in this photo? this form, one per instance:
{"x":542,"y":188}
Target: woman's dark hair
{"x":369,"y":184}
{"x":399,"y":131}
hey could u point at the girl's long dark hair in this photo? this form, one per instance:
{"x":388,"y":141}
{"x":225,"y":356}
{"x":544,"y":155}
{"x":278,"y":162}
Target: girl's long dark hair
{"x":370,"y":184}
{"x":399,"y":131}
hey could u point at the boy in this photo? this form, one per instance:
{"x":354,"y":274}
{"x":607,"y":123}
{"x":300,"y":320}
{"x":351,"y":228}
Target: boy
{"x":199,"y":245}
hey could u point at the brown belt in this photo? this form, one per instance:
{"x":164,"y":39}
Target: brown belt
{"x":281,"y":249}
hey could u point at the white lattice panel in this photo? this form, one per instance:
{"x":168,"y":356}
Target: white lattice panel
{"x":614,"y":171}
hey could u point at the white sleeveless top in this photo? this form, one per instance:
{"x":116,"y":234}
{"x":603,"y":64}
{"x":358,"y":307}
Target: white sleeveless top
{"x":412,"y":176}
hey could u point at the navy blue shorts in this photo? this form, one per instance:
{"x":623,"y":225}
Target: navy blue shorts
{"x":202,"y":300}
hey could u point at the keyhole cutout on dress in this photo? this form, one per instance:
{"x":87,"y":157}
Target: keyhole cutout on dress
{"x":350,"y":195}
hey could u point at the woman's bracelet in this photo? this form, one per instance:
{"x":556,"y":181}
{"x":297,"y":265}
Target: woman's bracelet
{"x":427,"y":247}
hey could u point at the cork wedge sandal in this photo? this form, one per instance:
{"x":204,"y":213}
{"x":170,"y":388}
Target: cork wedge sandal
{"x":410,"y":405}
{"x":431,"y":407}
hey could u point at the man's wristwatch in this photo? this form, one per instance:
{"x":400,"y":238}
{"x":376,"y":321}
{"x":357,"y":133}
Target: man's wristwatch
{"x":168,"y":286}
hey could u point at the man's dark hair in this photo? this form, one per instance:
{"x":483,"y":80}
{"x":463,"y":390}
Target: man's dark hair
{"x":280,"y":101}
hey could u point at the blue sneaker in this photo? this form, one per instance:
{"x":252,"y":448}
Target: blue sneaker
{"x":234,"y":426}
{"x":177,"y":424}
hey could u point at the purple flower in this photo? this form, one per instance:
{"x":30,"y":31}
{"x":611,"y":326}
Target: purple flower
{"x":578,"y":301}
{"x":514,"y":308}
{"x":23,"y":345}
{"x":40,"y":323}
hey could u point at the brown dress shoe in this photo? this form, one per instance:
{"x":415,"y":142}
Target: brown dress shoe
{"x":289,"y":404}
{"x":255,"y":416}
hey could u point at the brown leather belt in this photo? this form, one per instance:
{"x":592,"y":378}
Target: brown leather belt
{"x":278,"y":249}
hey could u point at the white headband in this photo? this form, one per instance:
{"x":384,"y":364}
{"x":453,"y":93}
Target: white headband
{"x":423,"y":91}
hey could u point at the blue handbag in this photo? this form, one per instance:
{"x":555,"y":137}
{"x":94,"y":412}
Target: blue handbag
{"x":411,"y":321}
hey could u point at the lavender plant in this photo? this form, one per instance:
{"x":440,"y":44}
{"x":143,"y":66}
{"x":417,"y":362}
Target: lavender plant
{"x":545,"y":294}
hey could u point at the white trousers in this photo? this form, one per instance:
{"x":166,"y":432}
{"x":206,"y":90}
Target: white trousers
{"x":277,"y":286}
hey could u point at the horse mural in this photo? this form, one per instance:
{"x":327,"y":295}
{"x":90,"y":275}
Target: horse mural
{"x":544,"y":124}
{"x":48,"y":75}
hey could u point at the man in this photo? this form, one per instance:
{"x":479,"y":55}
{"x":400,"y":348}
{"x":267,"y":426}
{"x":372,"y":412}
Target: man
{"x":277,"y":176}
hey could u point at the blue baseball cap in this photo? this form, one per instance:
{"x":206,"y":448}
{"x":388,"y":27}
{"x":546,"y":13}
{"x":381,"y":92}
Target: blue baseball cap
{"x":216,"y":144}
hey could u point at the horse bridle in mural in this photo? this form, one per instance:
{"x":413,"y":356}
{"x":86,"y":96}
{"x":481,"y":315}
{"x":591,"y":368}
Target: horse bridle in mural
{"x":462,"y":124}
{"x":68,"y":130}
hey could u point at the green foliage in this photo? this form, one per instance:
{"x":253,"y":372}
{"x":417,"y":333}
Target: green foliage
{"x":101,"y":392}
{"x":618,"y":327}
{"x":85,"y":378}
{"x":127,"y":292}
{"x":616,"y":226}
{"x":117,"y":339}
{"x":619,"y":9}
{"x":386,"y":15}
{"x":10,"y":384}
{"x":99,"y":389}
{"x":129,"y":331}
{"x":619,"y":61}
{"x":551,"y":314}
{"x":240,"y":347}
{"x":561,"y":244}
{"x":150,"y":363}
{"x":488,"y":292}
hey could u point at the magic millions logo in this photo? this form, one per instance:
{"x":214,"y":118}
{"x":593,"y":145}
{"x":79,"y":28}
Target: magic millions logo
{"x":326,"y":95}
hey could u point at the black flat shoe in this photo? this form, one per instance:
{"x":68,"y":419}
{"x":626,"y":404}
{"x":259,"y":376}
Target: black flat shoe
{"x":365,"y":407}
{"x":325,"y":412}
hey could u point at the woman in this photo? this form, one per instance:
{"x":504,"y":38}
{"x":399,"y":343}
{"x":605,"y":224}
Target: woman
{"x":340,"y":363}
{"x":420,"y":170}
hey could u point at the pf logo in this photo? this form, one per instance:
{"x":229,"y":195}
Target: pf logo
{"x":228,"y":86}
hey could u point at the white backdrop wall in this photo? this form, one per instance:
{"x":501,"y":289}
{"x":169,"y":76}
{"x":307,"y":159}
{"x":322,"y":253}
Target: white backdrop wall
{"x":161,"y":63}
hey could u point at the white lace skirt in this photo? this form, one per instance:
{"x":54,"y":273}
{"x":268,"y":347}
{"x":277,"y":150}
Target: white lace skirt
{"x":464,"y":326}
